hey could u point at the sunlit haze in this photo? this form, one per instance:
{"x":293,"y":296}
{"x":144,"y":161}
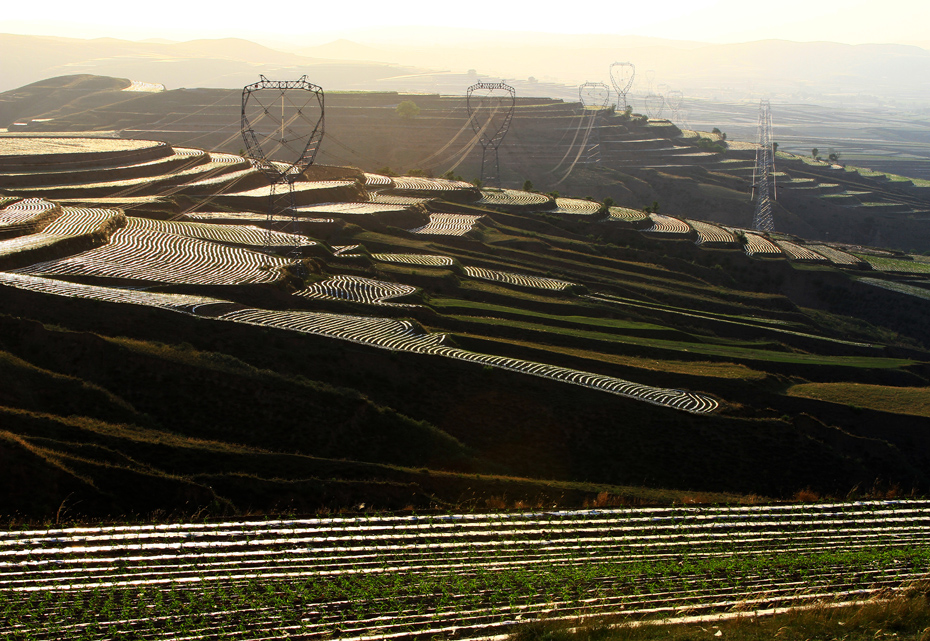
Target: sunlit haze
{"x":720,"y":21}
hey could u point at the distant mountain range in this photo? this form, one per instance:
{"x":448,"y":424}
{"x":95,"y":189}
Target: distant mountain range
{"x":821,"y":72}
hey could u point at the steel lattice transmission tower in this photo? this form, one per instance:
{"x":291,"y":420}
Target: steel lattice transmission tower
{"x":594,"y":96}
{"x":490,"y":110}
{"x":282,"y":119}
{"x":621,"y":75}
{"x":764,"y":172}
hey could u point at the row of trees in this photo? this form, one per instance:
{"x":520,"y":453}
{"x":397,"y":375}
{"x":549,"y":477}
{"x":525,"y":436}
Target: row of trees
{"x":833,"y":156}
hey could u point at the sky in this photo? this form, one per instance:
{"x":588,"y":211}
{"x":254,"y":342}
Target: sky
{"x":719,"y":21}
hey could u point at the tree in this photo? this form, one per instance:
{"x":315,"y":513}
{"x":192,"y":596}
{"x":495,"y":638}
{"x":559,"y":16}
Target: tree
{"x":527,"y":185}
{"x":774,"y":147}
{"x":834,"y":157}
{"x":815,"y":152}
{"x":408,"y":109}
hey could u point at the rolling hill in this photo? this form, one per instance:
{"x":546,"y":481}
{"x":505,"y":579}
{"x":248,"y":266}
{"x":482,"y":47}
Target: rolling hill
{"x":408,"y":341}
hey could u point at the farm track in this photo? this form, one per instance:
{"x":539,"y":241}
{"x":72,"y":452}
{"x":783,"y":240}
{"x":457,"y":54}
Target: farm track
{"x":471,"y":574}
{"x":383,"y":333}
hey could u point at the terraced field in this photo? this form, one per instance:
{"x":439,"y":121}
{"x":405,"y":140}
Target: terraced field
{"x":626,"y":215}
{"x":758,"y":245}
{"x":472,"y":575}
{"x":377,"y":332}
{"x":25,"y":216}
{"x":18,"y":244}
{"x":391,"y":199}
{"x":576,"y":207}
{"x":662,"y":224}
{"x":350,"y":209}
{"x":377,"y":181}
{"x":795,"y":251}
{"x":521,"y":280}
{"x":247,"y":235}
{"x":321,"y":189}
{"x":448,"y":225}
{"x":511,"y":371}
{"x":135,"y":253}
{"x":70,"y":223}
{"x":75,"y":221}
{"x":510,"y":198}
{"x":912,"y":265}
{"x":838,"y":257}
{"x":358,"y":289}
{"x":416,"y":259}
{"x":895,"y":286}
{"x":712,"y":235}
{"x":429,"y":185}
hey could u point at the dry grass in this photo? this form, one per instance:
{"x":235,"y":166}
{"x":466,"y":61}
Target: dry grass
{"x":897,"y":400}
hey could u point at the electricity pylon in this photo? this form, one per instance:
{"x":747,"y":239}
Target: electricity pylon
{"x":764,"y":172}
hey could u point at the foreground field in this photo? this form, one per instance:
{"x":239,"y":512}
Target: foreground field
{"x":467,"y":576}
{"x":905,"y":616}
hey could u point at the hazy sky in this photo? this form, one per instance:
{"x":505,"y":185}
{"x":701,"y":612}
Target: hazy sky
{"x":849,"y":21}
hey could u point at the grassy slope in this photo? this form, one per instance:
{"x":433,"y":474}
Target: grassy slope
{"x":896,"y":400}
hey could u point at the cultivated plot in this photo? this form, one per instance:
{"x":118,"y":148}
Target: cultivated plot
{"x":448,"y":225}
{"x":521,"y":280}
{"x":472,"y":575}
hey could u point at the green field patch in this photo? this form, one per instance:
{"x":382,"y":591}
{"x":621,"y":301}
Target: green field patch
{"x":897,"y":400}
{"x":452,"y":304}
{"x":245,"y":603}
{"x":885,"y":264}
{"x":690,"y":368}
{"x":732,"y":349}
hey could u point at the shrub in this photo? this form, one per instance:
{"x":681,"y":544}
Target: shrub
{"x":408,"y":109}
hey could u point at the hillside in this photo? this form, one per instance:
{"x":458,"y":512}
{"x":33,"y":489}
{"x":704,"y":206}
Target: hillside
{"x":410,"y":341}
{"x":556,"y":145}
